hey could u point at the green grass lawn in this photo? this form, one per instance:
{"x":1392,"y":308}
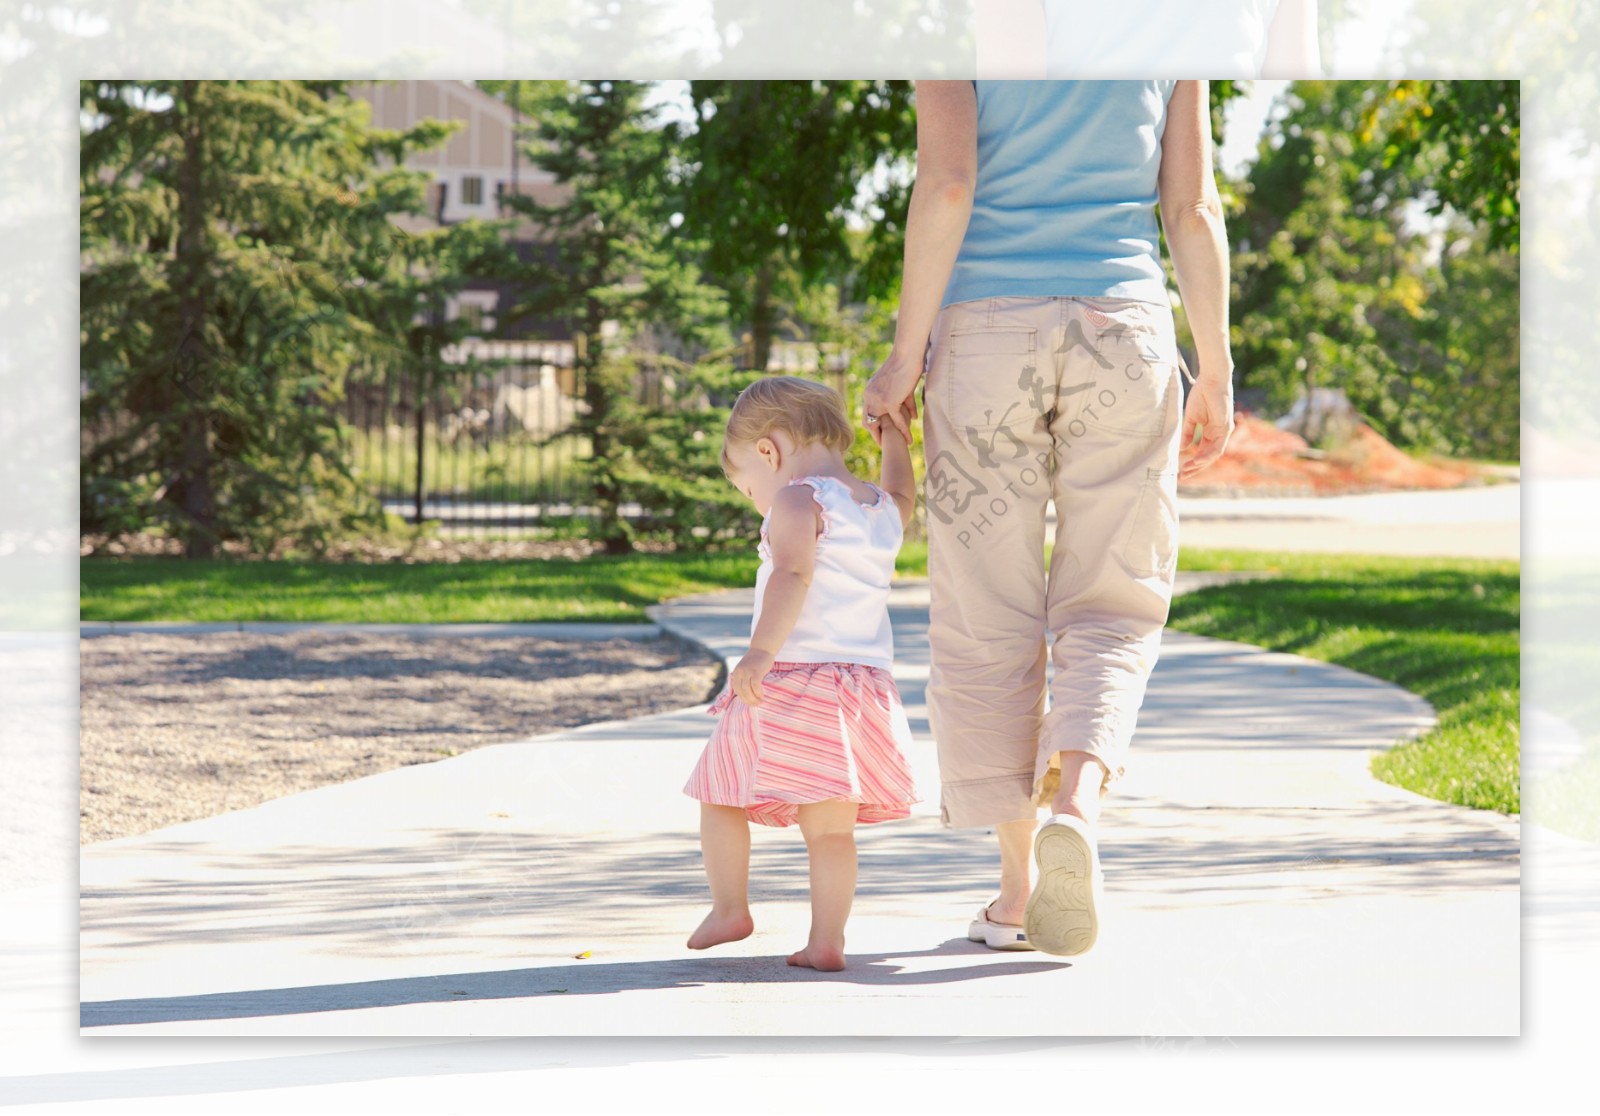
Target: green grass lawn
{"x":597,"y":588}
{"x":1447,"y":629}
{"x":510,"y":468}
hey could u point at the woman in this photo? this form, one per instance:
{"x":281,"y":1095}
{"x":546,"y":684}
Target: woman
{"x":1034,"y":300}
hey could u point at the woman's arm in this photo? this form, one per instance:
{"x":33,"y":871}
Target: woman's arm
{"x":1292,"y":49}
{"x":1191,"y":216}
{"x":936,"y":222}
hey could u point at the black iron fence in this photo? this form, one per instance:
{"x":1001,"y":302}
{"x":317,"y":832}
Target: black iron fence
{"x":493,"y":450}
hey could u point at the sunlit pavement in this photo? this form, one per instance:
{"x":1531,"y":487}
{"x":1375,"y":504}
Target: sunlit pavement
{"x":1260,"y":882}
{"x":1479,"y":522}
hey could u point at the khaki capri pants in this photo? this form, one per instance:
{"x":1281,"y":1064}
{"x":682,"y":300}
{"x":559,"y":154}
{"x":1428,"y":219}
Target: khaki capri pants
{"x":1030,"y":399}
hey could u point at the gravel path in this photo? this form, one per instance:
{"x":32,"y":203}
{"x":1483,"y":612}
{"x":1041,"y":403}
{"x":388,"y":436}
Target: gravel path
{"x":178,"y":727}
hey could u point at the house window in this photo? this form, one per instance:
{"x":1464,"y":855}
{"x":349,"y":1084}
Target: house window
{"x":472,"y":190}
{"x":472,"y":314}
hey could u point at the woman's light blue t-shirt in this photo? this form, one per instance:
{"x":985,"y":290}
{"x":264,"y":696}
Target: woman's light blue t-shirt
{"x":1066,"y":192}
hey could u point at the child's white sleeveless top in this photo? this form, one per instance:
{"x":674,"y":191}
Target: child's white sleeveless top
{"x":845,"y":617}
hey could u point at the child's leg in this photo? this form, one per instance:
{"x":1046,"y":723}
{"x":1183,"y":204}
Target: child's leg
{"x":725,"y":846}
{"x":830,"y":832}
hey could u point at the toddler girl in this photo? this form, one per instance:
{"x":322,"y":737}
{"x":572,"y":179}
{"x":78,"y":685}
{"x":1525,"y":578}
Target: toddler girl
{"x":811,"y":727}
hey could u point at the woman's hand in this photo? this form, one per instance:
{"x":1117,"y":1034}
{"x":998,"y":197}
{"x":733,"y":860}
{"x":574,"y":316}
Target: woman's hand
{"x":747,"y":675}
{"x":1210,"y":406}
{"x":891,"y":396}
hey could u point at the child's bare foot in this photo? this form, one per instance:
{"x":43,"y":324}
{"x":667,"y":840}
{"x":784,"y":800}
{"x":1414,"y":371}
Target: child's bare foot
{"x":720,"y":927}
{"x":825,"y":958}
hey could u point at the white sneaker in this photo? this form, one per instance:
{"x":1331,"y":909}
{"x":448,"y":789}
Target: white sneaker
{"x":996,"y":935}
{"x":1062,"y":916}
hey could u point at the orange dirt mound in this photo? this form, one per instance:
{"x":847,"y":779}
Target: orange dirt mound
{"x":1263,"y":459}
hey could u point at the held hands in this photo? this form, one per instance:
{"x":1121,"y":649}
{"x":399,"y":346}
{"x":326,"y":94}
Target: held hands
{"x":891,"y":395}
{"x":745,"y":681}
{"x":1210,"y":406}
{"x":900,"y":423}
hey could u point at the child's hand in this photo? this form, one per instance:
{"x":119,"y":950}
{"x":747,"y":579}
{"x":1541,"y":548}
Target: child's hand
{"x":747,"y":675}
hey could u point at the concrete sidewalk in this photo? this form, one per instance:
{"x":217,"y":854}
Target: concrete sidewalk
{"x":1478,"y":522}
{"x":1259,"y":882}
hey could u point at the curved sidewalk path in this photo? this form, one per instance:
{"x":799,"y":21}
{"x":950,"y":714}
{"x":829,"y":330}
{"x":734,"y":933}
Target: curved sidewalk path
{"x":1260,"y":882}
{"x":1482,"y":521}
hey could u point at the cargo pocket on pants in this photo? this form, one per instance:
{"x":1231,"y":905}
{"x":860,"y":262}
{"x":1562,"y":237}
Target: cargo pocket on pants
{"x":1150,"y":541}
{"x":990,"y":379}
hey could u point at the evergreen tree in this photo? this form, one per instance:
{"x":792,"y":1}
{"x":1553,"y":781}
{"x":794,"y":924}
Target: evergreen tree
{"x":617,"y":275}
{"x":238,"y":255}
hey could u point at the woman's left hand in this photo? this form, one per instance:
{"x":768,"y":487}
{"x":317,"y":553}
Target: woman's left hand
{"x":891,"y":396}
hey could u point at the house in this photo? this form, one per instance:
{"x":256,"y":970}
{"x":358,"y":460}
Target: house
{"x":471,"y":173}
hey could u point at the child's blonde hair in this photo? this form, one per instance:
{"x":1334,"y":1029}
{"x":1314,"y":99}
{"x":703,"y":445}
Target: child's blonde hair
{"x":804,"y":409}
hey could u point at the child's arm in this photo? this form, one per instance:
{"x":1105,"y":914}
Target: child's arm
{"x":897,"y":478}
{"x":792,"y":536}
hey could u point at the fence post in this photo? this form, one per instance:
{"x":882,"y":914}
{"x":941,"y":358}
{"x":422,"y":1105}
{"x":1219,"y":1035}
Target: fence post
{"x":421,"y":427}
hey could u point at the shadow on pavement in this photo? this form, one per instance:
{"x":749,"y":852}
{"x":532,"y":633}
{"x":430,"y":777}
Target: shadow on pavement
{"x":867,"y":969}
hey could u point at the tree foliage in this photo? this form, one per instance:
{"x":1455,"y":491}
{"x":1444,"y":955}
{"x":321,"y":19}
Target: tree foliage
{"x":633,"y":296}
{"x":1462,"y":140}
{"x":771,"y":174}
{"x":1339,"y":281}
{"x":238,"y":255}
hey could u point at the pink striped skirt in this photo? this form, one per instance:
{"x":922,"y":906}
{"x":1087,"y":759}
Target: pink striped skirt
{"x":822,"y":731}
